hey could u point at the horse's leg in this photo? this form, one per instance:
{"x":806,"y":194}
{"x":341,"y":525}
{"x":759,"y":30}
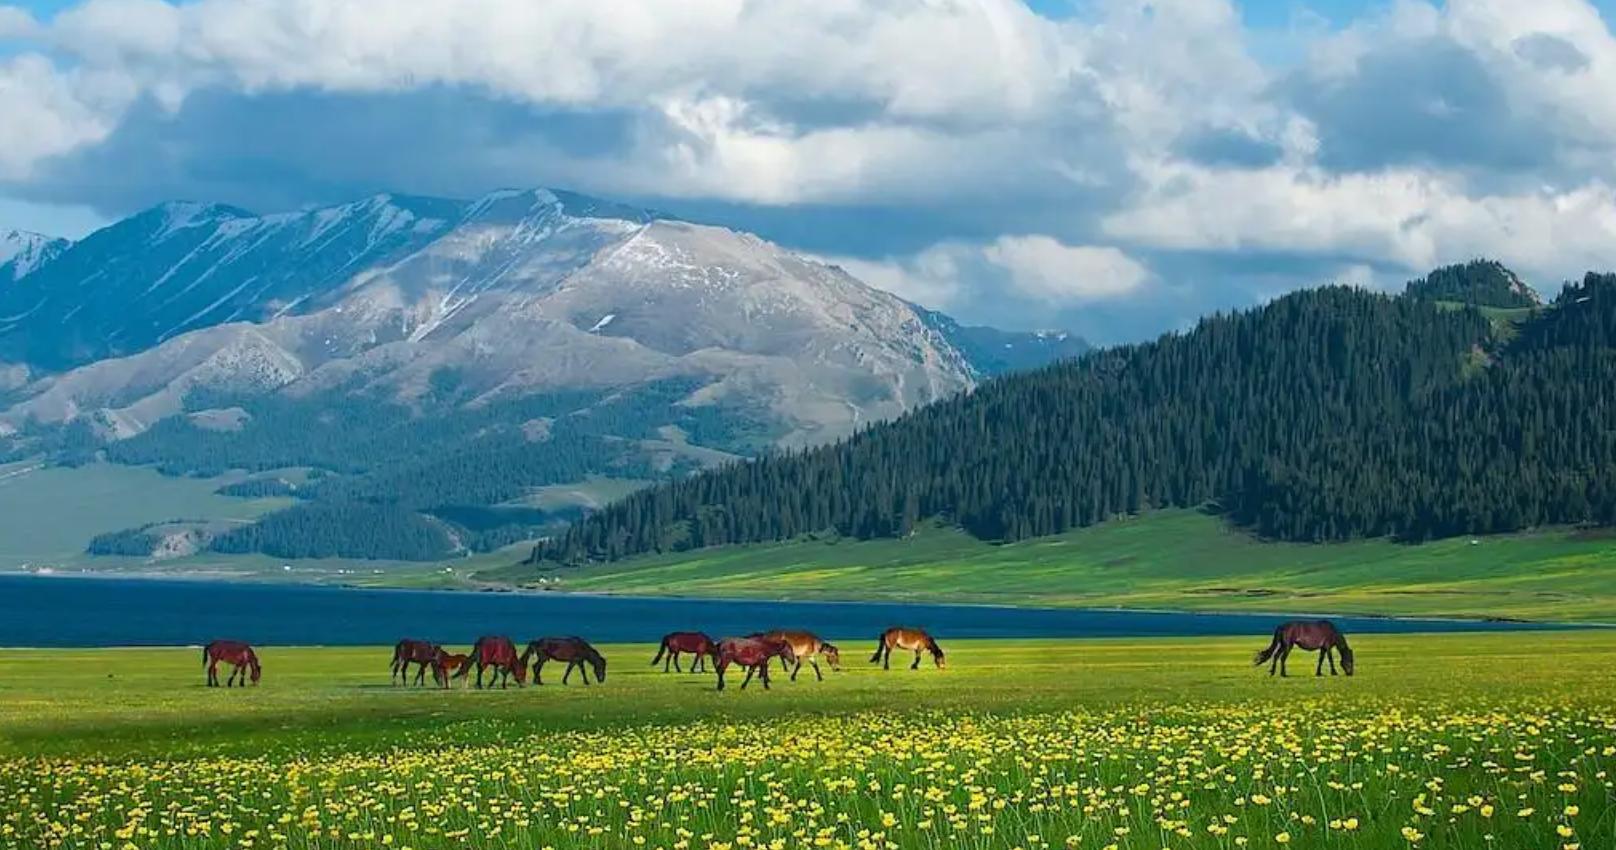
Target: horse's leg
{"x":479,"y":675}
{"x":1273,"y":663}
{"x":673,"y":657}
{"x":795,"y":669}
{"x":1319,"y":670}
{"x":1284,"y":656}
{"x":1329,"y":652}
{"x":886,"y":656}
{"x":213,"y":673}
{"x":748,"y":679}
{"x":817,"y":675}
{"x":722,"y":666}
{"x":916,"y":665}
{"x":583,"y":672}
{"x":765,"y":674}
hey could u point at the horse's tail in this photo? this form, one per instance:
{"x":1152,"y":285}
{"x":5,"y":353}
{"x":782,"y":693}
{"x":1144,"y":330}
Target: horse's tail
{"x":205,"y":655}
{"x":1273,"y":647}
{"x":880,"y":644}
{"x":661,"y":650}
{"x":465,"y":666}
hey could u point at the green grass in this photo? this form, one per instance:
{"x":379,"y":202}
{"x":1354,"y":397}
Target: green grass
{"x":1168,"y":559}
{"x":1134,"y":743}
{"x":49,"y":514}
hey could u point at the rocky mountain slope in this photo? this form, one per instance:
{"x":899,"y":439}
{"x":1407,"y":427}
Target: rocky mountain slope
{"x":21,"y":252}
{"x":434,"y":354}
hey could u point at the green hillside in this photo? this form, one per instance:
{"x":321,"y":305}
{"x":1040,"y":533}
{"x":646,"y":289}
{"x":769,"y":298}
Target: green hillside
{"x":1179,"y":559}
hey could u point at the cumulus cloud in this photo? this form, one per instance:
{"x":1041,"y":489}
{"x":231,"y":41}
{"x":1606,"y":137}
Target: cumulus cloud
{"x":1118,"y":166}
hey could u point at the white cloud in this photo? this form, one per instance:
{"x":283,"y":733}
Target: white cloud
{"x":47,"y":113}
{"x":17,"y":23}
{"x":1045,"y":270}
{"x":1413,"y":218}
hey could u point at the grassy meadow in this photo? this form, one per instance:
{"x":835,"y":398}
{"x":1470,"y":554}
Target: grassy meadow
{"x":1182,"y":560}
{"x":1456,"y":741}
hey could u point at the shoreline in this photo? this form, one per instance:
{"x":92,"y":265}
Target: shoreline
{"x":239,"y":580}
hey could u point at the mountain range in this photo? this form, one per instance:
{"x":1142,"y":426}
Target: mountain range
{"x":539,"y":331}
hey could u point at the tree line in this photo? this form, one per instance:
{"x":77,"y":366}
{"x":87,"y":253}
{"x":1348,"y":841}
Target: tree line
{"x":1326,"y":415}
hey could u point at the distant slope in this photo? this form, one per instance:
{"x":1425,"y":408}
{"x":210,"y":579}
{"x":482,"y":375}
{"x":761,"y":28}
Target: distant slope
{"x":992,"y":352}
{"x":182,"y":266}
{"x":442,"y":358}
{"x":1480,"y":283}
{"x":1172,"y":559}
{"x":1326,"y":415}
{"x":21,"y":252}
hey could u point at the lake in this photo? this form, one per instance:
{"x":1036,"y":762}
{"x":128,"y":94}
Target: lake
{"x":81,"y":611}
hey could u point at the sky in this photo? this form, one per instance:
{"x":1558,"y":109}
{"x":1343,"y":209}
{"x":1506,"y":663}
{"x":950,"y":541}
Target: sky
{"x":1115,"y":168}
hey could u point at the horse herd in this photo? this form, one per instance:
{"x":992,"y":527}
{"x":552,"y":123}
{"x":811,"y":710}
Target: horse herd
{"x":496,"y":655}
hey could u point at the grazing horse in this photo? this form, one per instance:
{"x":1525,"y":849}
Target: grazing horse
{"x":233,"y":652}
{"x":899,"y":637}
{"x":496,"y":652}
{"x":751,"y":653}
{"x":574,"y":650}
{"x":1319,"y":636}
{"x":674,"y":643}
{"x":804,"y":646}
{"x":451,"y":663}
{"x":424,"y":653}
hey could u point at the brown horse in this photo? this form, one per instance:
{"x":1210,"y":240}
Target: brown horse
{"x":674,"y":643}
{"x":804,"y":646}
{"x":451,"y":663}
{"x":750,"y":653}
{"x":1319,"y":636}
{"x":424,"y":653}
{"x":233,"y":652}
{"x":574,"y":650}
{"x":900,"y":637}
{"x":498,"y":653}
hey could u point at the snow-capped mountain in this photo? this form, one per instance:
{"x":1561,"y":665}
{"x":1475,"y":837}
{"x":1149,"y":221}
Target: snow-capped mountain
{"x":182,"y":266}
{"x":22,"y":252}
{"x":517,"y":293}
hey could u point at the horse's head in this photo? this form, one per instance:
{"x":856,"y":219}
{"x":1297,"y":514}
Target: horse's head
{"x":937,"y":655}
{"x":519,"y":671}
{"x":1346,"y":659}
{"x":598,"y":661}
{"x":833,"y":656}
{"x":257,"y":670}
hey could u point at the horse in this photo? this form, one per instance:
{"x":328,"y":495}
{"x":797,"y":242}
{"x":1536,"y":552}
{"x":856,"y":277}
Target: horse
{"x":451,"y":663}
{"x":1319,"y":636}
{"x":804,"y":645}
{"x":424,"y":653}
{"x":574,"y":650}
{"x":674,"y":643}
{"x":751,"y":653}
{"x":233,"y":652}
{"x":497,"y":652}
{"x":900,"y":637}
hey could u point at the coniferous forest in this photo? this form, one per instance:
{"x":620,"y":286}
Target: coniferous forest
{"x":1326,"y":415}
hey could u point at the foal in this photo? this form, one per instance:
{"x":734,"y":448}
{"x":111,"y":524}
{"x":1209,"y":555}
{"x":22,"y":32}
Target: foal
{"x":1319,"y":636}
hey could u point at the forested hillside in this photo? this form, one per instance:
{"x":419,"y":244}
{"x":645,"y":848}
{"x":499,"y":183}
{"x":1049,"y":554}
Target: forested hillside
{"x":1329,"y":414}
{"x":1484,"y":283}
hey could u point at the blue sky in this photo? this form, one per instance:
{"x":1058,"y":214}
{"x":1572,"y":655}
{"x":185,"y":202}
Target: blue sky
{"x":1111,"y":167}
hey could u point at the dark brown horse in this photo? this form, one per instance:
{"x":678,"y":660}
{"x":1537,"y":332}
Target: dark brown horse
{"x":425,"y":653}
{"x":674,"y":643}
{"x":495,"y":652}
{"x":233,"y":652}
{"x":900,"y":637}
{"x":805,"y":646}
{"x":752,"y":654}
{"x":1319,"y":636}
{"x":574,"y":650}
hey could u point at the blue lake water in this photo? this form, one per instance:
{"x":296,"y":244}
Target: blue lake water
{"x":75,"y":611}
